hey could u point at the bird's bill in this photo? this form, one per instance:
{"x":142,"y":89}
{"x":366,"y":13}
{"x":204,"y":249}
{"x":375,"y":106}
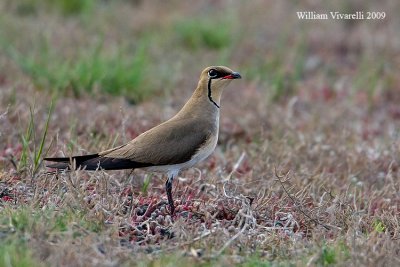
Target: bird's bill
{"x":233,"y":75}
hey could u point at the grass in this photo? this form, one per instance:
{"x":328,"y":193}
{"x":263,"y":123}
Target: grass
{"x":146,"y":183}
{"x":24,"y":220}
{"x":28,"y":139}
{"x":379,"y":226}
{"x":327,"y":257}
{"x":199,"y":33}
{"x":307,"y":166}
{"x":21,"y":225}
{"x":281,"y":71}
{"x":64,"y":7}
{"x":333,"y":254}
{"x":91,"y":72}
{"x":17,"y":254}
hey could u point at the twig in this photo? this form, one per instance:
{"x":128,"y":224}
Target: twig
{"x":228,"y":243}
{"x":245,"y":213}
{"x":235,"y":167}
{"x":13,"y":162}
{"x":4,"y":114}
{"x":279,"y":178}
{"x":190,"y":242}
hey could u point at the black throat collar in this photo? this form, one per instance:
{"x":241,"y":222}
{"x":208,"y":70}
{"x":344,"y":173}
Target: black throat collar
{"x":209,"y":93}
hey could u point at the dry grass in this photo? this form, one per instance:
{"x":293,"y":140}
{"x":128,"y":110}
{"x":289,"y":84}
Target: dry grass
{"x":307,"y":167}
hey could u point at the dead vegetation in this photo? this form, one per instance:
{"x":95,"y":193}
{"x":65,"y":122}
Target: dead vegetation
{"x":306,"y":171}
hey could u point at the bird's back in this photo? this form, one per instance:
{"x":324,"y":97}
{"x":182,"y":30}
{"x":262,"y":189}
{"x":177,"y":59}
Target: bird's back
{"x":172,"y":142}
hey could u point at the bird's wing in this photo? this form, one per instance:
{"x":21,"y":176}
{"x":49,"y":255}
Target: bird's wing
{"x":93,"y":162}
{"x":172,"y":142}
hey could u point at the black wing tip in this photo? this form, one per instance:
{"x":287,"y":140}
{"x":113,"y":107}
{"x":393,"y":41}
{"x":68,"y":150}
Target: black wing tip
{"x":94,"y":162}
{"x":66,"y":162}
{"x":57,"y":159}
{"x":68,"y":159}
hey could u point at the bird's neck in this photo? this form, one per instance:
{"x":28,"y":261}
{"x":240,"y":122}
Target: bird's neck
{"x":200,"y":104}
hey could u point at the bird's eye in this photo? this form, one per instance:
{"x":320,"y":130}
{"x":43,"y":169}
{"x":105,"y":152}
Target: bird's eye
{"x":212,"y":73}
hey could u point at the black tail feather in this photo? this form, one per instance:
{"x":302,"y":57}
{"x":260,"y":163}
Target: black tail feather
{"x":65,"y":163}
{"x":94,"y":162}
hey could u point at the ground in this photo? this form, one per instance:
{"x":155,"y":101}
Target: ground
{"x":306,"y":171}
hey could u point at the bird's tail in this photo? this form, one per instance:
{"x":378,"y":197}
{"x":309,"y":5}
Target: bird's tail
{"x":94,"y":162}
{"x":67,"y":162}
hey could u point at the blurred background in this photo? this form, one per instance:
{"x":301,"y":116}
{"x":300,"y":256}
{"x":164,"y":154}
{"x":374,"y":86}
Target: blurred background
{"x":318,"y":98}
{"x":141,"y":49}
{"x":116,"y":68}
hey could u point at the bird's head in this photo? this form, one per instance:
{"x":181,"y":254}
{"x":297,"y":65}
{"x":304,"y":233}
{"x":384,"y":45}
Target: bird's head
{"x":214,"y":79}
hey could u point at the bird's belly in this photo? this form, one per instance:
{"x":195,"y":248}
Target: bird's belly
{"x":205,"y":151}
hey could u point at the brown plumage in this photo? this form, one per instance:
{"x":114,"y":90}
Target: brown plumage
{"x":179,"y":143}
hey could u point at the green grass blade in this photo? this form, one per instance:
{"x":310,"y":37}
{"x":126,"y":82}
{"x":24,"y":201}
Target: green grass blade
{"x":39,"y":153}
{"x":146,"y":183}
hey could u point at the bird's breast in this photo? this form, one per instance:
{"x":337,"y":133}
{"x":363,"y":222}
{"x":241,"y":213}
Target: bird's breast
{"x":208,"y":147}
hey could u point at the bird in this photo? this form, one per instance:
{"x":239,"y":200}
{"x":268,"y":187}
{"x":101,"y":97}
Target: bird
{"x":174,"y":145}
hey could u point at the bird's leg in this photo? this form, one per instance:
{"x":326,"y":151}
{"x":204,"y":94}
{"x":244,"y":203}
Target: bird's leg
{"x":168,"y":188}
